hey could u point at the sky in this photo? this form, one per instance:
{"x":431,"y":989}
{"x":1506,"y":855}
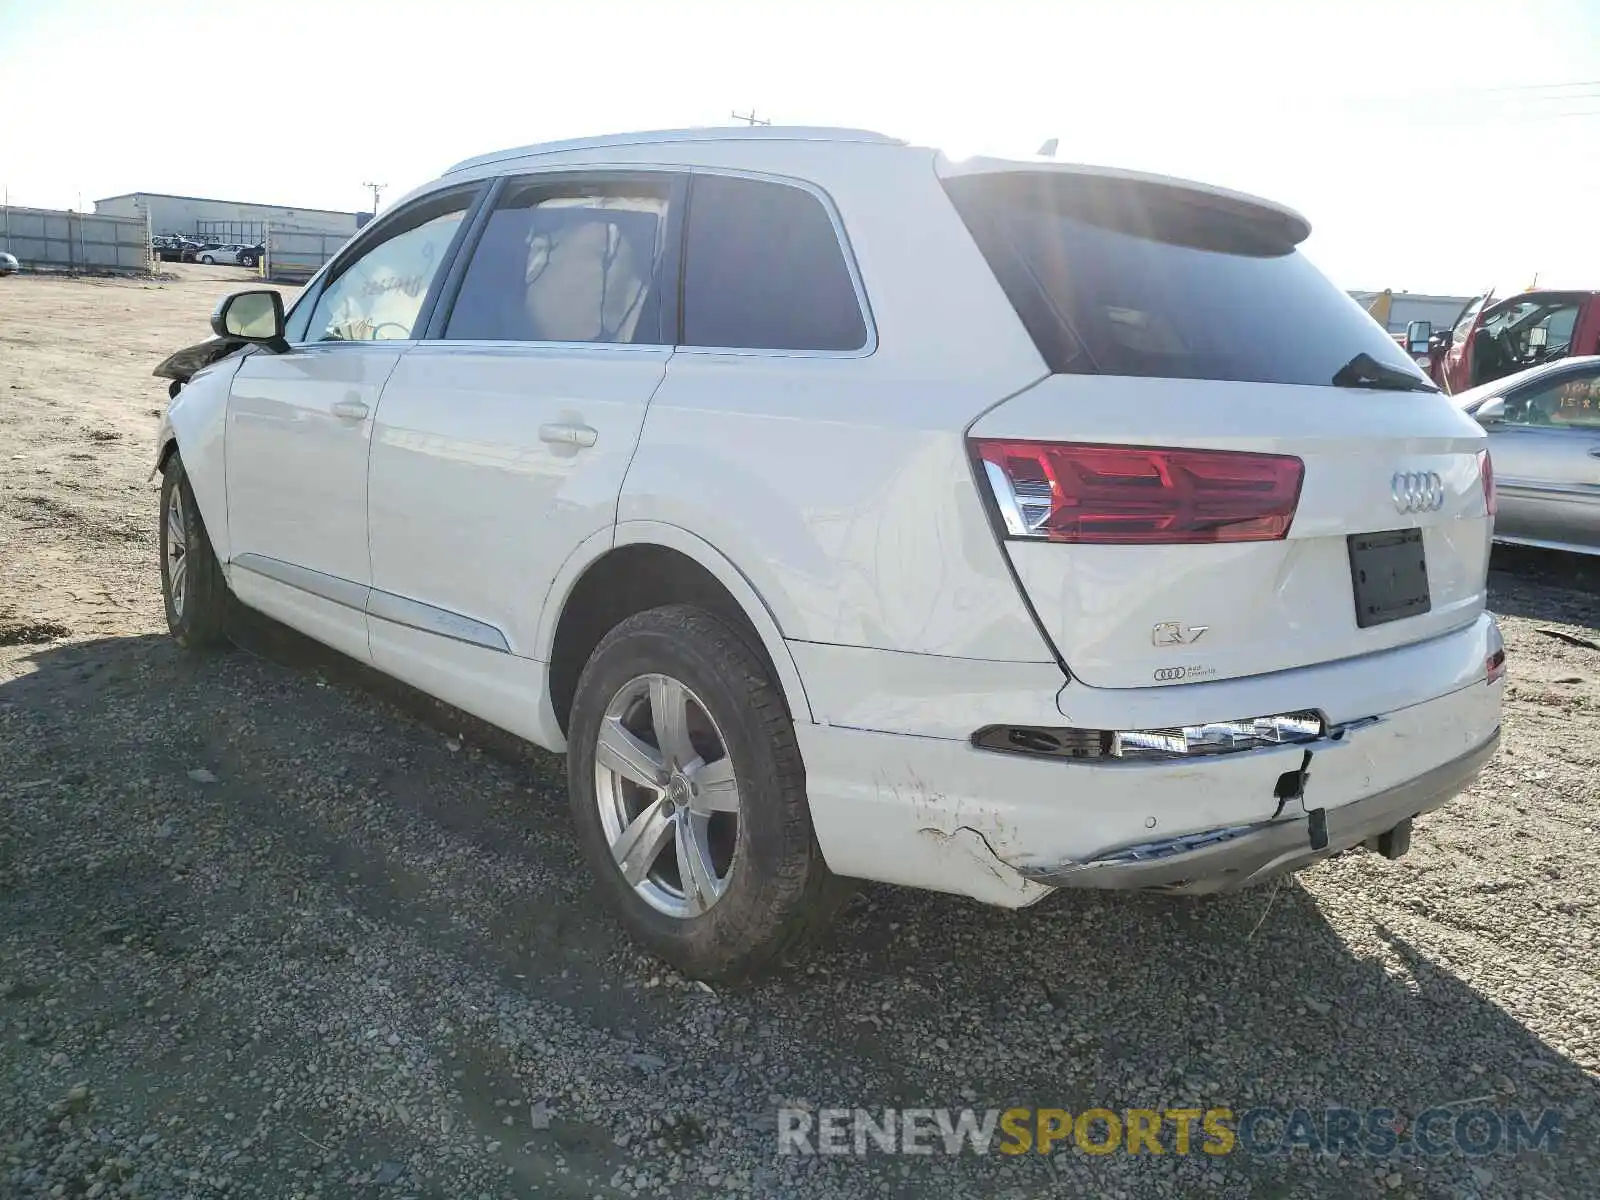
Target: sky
{"x":1435,"y":147}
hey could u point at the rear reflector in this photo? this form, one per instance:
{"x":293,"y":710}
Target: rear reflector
{"x":1494,"y":663}
{"x":1139,"y":495}
{"x":1189,"y":741}
{"x":1486,"y":474}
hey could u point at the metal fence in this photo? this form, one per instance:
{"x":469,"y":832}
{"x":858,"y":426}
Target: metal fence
{"x":65,"y":240}
{"x":242,"y":233}
{"x":295,"y":255}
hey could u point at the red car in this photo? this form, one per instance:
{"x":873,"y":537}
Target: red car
{"x":1495,"y":338}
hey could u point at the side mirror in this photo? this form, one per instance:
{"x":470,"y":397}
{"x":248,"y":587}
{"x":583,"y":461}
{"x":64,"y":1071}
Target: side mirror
{"x":255,"y":317}
{"x":1418,"y":335}
{"x":1491,"y":412}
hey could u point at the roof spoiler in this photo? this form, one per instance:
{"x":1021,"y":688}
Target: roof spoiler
{"x":1294,"y":227}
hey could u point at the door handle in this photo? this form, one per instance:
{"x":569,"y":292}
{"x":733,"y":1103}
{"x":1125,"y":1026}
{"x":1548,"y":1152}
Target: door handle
{"x":568,"y":435}
{"x":1594,"y":452}
{"x":351,"y":410}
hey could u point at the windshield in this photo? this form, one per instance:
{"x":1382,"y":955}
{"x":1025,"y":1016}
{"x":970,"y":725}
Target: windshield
{"x":1118,"y":277}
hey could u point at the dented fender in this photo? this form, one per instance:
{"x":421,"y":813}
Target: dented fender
{"x":196,"y":418}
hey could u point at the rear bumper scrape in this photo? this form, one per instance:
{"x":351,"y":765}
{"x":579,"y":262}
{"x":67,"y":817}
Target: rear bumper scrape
{"x":1231,"y":857}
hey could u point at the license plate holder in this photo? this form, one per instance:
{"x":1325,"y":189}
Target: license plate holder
{"x":1389,"y":576}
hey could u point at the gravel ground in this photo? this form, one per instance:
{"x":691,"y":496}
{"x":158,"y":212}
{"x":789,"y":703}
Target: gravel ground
{"x":271,"y":926}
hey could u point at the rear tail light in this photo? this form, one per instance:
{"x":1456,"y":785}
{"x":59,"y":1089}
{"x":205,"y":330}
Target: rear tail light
{"x":1139,"y":495}
{"x":1486,"y":474}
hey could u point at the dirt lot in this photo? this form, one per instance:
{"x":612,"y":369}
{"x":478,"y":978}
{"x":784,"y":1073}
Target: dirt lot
{"x":272,"y":927}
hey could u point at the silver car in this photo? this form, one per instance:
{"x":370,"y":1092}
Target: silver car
{"x":8,"y":263}
{"x":1544,"y":438}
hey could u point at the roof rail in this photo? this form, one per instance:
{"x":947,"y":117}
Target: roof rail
{"x":705,"y":133}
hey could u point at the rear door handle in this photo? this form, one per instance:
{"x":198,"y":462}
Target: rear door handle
{"x":568,"y":435}
{"x":350,"y":410}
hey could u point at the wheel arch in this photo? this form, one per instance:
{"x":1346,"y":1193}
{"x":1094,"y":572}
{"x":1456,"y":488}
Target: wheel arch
{"x":642,"y":565}
{"x":169,"y":447}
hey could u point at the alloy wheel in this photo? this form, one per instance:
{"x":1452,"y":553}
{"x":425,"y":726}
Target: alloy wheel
{"x":177,"y":551}
{"x":667,"y":795}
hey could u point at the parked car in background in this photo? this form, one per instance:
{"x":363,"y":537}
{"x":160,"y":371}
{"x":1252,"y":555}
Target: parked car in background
{"x":8,"y":263}
{"x":249,"y":256}
{"x":1492,"y":339}
{"x":171,"y":247}
{"x":1544,"y":435}
{"x":844,"y":510}
{"x":214,"y":253}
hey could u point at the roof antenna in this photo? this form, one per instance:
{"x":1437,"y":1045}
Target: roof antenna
{"x":1048,"y":150}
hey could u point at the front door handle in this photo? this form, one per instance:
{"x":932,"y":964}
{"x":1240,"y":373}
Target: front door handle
{"x":568,"y":435}
{"x":350,"y":410}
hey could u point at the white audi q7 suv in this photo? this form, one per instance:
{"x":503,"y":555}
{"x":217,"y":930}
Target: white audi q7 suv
{"x":845,"y":511}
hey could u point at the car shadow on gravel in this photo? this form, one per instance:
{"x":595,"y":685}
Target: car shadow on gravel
{"x":438,"y":832}
{"x":1545,"y":585}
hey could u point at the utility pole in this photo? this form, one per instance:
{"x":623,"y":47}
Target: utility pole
{"x":377,"y":190}
{"x":749,"y":118}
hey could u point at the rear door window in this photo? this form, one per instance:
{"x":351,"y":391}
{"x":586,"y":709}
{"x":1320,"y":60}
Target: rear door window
{"x":567,"y":262}
{"x":1122,"y":277}
{"x":764,"y":269}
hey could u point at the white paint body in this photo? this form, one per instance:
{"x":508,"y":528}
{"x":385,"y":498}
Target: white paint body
{"x":834,"y":497}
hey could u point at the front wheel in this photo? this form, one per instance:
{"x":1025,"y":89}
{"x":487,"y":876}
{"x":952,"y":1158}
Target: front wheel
{"x":208,"y":260}
{"x":195,"y":593}
{"x":248,"y":260}
{"x":689,"y":796}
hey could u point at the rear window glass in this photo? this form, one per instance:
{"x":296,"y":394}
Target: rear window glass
{"x":1125,"y":278}
{"x":763,"y":270}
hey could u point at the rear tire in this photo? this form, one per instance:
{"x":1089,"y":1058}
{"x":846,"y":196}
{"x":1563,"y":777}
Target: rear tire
{"x":193,"y":589}
{"x":719,"y":892}
{"x":208,"y":260}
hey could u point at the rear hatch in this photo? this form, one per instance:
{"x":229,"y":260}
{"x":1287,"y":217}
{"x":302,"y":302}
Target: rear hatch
{"x":1189,"y":495}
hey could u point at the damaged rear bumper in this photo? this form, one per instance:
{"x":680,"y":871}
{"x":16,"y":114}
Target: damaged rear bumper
{"x":1233,"y":857}
{"x":929,"y":811}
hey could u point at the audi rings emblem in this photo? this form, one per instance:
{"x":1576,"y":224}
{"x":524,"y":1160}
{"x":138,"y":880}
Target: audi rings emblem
{"x":1417,"y":491}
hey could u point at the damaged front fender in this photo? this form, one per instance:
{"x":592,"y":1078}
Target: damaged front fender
{"x":184,"y":364}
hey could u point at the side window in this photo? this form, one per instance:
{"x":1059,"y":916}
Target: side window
{"x":1557,"y":326}
{"x":1464,"y":322}
{"x":567,"y":263}
{"x":763,"y":270}
{"x":378,"y":296}
{"x":1529,"y":332}
{"x":1574,"y":401}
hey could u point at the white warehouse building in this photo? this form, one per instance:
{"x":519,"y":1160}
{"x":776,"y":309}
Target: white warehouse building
{"x":225,"y":220}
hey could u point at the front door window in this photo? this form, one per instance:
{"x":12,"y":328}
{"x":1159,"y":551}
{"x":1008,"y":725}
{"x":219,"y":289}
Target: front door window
{"x":380,"y":294}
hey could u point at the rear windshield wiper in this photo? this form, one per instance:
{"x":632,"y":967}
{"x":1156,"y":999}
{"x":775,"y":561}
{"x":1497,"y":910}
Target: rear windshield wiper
{"x":1364,"y":371}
